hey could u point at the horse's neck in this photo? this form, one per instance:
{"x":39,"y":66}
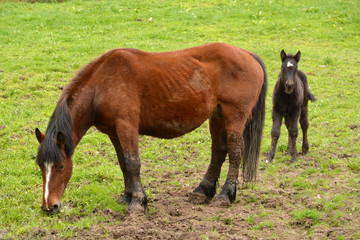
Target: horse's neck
{"x":82,"y":117}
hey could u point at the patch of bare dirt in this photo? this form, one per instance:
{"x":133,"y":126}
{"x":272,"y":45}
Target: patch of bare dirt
{"x":261,"y":213}
{"x":172,"y":216}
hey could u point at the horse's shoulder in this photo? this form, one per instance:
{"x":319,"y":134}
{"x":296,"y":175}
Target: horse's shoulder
{"x":303,"y":78}
{"x":301,"y":74}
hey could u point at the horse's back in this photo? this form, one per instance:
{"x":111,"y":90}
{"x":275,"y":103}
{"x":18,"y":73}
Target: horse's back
{"x":170,"y":93}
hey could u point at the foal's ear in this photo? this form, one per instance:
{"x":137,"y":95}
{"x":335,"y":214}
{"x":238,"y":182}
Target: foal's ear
{"x":60,"y":139}
{"x":297,"y":56}
{"x":39,"y":135}
{"x":283,"y":55}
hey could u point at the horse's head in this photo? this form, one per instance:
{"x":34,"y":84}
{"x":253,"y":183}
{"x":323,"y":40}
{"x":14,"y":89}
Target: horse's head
{"x":56,"y":169}
{"x":288,"y":70}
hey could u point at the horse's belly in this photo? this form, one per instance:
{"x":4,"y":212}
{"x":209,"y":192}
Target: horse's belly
{"x":175,"y":121}
{"x":171,"y":129}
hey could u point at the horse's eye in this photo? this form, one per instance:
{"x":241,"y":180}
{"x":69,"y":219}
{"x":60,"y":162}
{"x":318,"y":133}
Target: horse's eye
{"x":61,"y":167}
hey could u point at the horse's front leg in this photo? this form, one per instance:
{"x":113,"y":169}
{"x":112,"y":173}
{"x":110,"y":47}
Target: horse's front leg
{"x":287,"y":121}
{"x":293,"y":133}
{"x":275,"y":134}
{"x":138,"y":201}
{"x":235,"y":145}
{"x":126,"y":199}
{"x":207,"y":188}
{"x":134,"y":191}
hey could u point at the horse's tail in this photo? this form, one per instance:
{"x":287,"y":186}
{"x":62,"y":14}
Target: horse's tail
{"x":253,"y":132}
{"x":312,"y":97}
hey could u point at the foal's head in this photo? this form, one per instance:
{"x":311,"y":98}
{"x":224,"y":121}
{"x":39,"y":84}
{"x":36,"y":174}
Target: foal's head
{"x":56,"y":169}
{"x":288,"y":70}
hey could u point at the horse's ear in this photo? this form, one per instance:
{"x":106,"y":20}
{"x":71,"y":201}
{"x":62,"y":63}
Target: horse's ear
{"x":283,"y":55}
{"x":297,"y":56}
{"x":60,"y":139}
{"x":39,"y":135}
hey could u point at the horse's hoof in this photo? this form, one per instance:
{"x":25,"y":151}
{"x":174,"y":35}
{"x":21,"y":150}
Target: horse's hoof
{"x":268,"y":160}
{"x":136,"y":209}
{"x":198,"y":198}
{"x":270,"y":157}
{"x":221,"y":202}
{"x":303,"y":153}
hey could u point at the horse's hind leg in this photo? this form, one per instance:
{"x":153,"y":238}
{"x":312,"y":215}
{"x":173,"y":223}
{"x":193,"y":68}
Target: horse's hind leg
{"x":207,"y":188}
{"x":304,"y":123}
{"x":235,"y":144}
{"x":234,"y":125}
{"x":126,"y":199}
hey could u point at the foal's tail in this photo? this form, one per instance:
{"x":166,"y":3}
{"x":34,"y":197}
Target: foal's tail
{"x":312,"y":97}
{"x":253,"y":132}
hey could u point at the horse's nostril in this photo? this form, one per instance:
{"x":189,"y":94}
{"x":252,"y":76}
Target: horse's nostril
{"x":55,"y":208}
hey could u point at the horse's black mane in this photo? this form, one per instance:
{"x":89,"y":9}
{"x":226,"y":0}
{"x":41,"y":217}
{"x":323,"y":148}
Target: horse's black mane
{"x":60,"y":121}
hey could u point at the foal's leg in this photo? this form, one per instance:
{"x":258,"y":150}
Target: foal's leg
{"x":304,"y":123}
{"x":275,"y":133}
{"x":129,"y":138}
{"x":207,"y":188}
{"x":126,"y":199}
{"x":293,"y":132}
{"x":287,"y":121}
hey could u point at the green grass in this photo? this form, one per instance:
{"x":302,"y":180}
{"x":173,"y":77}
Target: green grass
{"x":43,"y":44}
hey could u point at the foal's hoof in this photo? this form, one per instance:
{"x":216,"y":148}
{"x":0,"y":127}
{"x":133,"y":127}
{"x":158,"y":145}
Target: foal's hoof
{"x":198,"y":198}
{"x":270,"y":157}
{"x":304,"y":152}
{"x":221,"y":201}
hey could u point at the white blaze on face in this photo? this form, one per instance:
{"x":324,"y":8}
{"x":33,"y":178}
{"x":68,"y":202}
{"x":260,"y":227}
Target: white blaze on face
{"x":48,"y":167}
{"x":289,"y":64}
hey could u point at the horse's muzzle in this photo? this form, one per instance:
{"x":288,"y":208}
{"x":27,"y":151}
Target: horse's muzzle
{"x":52,"y":210}
{"x":289,"y":87}
{"x":288,"y":90}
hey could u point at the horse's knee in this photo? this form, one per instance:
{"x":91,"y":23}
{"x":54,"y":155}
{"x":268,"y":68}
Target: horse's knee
{"x":304,"y":126}
{"x":293,"y":132}
{"x":304,"y":122}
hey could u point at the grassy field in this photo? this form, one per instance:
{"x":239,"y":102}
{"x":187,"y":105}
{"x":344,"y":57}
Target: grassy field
{"x":44,"y":44}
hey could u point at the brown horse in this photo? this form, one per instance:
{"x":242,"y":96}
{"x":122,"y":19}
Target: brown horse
{"x":290,"y":101}
{"x":127,"y":92}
